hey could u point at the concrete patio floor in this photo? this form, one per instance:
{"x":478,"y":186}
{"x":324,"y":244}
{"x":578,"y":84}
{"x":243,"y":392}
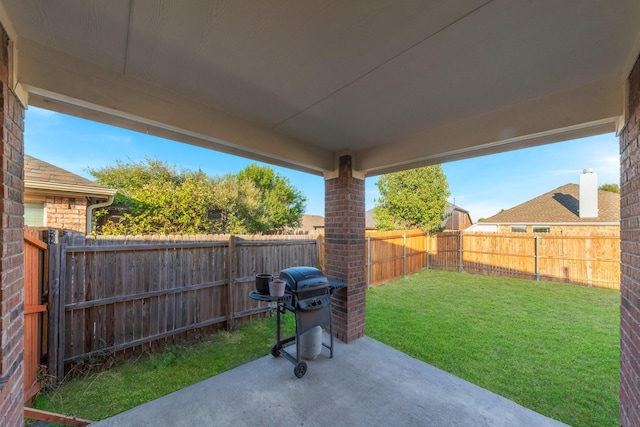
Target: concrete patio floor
{"x":365,"y":384}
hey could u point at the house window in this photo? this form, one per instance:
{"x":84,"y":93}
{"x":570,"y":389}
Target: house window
{"x":544,"y":229}
{"x":519,"y":229}
{"x":34,"y":214}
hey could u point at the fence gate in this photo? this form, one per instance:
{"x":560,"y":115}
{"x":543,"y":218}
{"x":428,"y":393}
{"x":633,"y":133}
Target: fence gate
{"x":35,"y":311}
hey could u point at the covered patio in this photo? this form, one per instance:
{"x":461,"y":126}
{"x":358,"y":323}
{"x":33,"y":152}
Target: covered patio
{"x":345,"y":90}
{"x":366,"y":384}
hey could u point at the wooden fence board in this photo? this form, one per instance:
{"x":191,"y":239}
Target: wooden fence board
{"x":394,"y":254}
{"x":117,"y":293}
{"x":34,"y":312}
{"x":58,"y":419}
{"x":588,"y":260}
{"x":54,"y":313}
{"x":128,"y":292}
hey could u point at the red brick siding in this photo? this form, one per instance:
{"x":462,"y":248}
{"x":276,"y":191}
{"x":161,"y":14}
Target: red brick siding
{"x":11,"y":254}
{"x":570,"y":230}
{"x":345,"y":250}
{"x":67,"y":213}
{"x":630,"y":263}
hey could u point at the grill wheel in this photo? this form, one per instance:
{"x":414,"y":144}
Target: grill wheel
{"x":300,"y":369}
{"x":275,"y":351}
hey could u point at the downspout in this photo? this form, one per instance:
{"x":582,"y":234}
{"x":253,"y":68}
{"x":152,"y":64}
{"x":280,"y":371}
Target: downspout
{"x":91,"y":208}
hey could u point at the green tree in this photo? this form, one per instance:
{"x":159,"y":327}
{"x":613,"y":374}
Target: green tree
{"x":614,"y":188}
{"x":155,"y":198}
{"x":283,"y":203}
{"x":411,"y":199}
{"x":143,"y":190}
{"x":129,"y":177}
{"x":236,"y":208}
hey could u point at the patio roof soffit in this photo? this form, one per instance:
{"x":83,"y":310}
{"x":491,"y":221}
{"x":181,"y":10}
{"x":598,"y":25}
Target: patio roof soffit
{"x":58,"y":82}
{"x":394,"y":88}
{"x":584,"y":111}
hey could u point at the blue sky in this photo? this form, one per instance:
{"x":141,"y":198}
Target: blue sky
{"x":482,"y":185}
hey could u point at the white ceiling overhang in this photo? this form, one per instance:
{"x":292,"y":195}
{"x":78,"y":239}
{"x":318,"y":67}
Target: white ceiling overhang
{"x":396,"y":84}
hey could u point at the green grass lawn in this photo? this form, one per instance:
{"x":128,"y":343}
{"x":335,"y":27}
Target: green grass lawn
{"x":551,"y":347}
{"x":100,"y":395}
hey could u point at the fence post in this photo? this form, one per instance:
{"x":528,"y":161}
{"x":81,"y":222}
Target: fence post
{"x":56,"y":334}
{"x":319,"y":253}
{"x":460,"y":253}
{"x":588,"y":261}
{"x":536,"y":255}
{"x":368,"y":261}
{"x":232,"y":278}
{"x":427,"y":246}
{"x":404,"y":254}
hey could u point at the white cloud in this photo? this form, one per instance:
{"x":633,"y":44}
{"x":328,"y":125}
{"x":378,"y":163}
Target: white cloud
{"x":608,"y":168}
{"x":609,"y":161}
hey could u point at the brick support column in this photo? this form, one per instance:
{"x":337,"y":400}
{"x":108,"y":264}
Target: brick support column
{"x":630,"y":257}
{"x":345,"y":249}
{"x":11,"y":249}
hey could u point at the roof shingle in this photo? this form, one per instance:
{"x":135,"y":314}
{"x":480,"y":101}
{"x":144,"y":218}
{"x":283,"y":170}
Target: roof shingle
{"x":560,"y":206}
{"x":38,"y":172}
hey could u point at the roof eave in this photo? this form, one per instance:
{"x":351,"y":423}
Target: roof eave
{"x":86,"y":191}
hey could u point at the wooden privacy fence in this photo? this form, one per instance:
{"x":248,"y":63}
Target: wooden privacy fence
{"x":35,"y":310}
{"x":394,"y":254}
{"x":108,"y":295}
{"x":390,"y":255}
{"x":587,"y":260}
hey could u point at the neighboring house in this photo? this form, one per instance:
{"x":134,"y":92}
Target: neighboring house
{"x":56,"y":198}
{"x":370,"y":224}
{"x":312,"y":223}
{"x":570,"y":209}
{"x":456,"y":218}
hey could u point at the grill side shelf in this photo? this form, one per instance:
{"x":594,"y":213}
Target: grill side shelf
{"x":268,"y":298}
{"x":336,"y":284}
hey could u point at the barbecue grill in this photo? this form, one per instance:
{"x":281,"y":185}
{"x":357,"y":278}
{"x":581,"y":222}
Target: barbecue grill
{"x":307,"y":295}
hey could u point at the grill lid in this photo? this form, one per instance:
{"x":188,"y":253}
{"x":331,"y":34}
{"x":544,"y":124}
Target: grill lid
{"x":300,"y":279}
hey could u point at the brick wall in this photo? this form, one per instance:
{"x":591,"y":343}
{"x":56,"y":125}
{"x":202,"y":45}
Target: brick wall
{"x":345,"y":249}
{"x":11,"y":254}
{"x":67,"y":213}
{"x":630,"y":262}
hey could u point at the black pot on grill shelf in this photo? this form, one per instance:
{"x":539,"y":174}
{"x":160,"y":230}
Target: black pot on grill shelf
{"x":262,"y":283}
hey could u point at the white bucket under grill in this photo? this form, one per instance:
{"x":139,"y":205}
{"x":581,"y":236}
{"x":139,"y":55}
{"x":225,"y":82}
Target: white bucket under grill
{"x":311,"y":343}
